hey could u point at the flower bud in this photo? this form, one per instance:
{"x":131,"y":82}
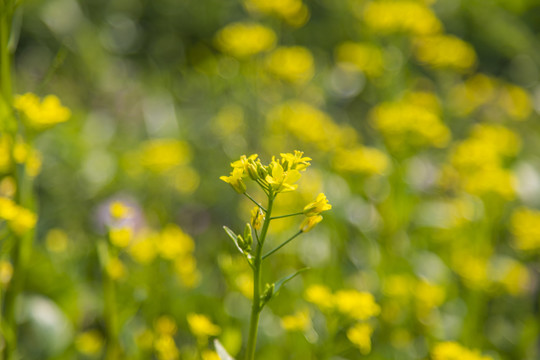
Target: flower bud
{"x":267,"y":293}
{"x":248,"y":238}
{"x":252,"y":170}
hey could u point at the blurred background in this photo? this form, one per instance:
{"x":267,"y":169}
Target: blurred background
{"x":421,"y":117}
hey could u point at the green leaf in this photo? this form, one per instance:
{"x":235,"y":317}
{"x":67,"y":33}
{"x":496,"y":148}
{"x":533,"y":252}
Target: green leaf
{"x":234,"y":238}
{"x":286,"y":279}
{"x":222,"y":353}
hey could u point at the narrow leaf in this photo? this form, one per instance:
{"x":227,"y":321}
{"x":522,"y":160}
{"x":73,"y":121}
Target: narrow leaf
{"x":223,"y":354}
{"x":234,"y":238}
{"x":286,"y":279}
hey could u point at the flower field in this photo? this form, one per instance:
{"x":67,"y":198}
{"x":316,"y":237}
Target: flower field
{"x":286,"y":179}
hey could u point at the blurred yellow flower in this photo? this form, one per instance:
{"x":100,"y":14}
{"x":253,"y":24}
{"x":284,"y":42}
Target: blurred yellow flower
{"x":445,"y":51}
{"x":525,"y":226}
{"x":410,"y":17}
{"x":407,"y":124}
{"x":356,"y":304}
{"x":174,"y":242}
{"x":6,"y":273}
{"x":121,"y":237}
{"x":451,"y":350}
{"x":243,"y":39}
{"x":201,"y":326}
{"x":293,"y":64}
{"x":360,"y":336}
{"x":300,"y":321}
{"x":165,"y":325}
{"x":162,"y":155}
{"x":361,"y":159}
{"x":209,"y":355}
{"x":40,"y":115}
{"x":166,"y":348}
{"x":119,"y":210}
{"x":321,"y":296}
{"x":23,"y":221}
{"x":144,"y":248}
{"x":294,"y":12}
{"x":89,"y":342}
{"x":115,"y":269}
{"x":365,"y":57}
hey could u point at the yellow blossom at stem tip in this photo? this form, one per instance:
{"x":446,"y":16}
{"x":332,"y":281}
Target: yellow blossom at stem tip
{"x":318,"y":206}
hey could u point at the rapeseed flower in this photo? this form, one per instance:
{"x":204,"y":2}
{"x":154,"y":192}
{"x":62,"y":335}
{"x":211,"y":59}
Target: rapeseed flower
{"x":40,"y":115}
{"x":445,"y":51}
{"x":244,"y":39}
{"x":294,"y":64}
{"x":365,"y":57}
{"x":201,"y":326}
{"x":318,"y":206}
{"x":450,"y":350}
{"x":360,"y":336}
{"x":300,"y":321}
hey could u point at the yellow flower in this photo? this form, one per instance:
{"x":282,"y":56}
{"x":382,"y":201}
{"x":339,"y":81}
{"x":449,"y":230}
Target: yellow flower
{"x":525,"y":226}
{"x":292,"y":11}
{"x":8,"y":208}
{"x":360,"y":335}
{"x":174,"y":242}
{"x":235,"y":180}
{"x":293,"y":64}
{"x":365,"y":57}
{"x":165,"y":325}
{"x":295,"y":161}
{"x":56,"y":240}
{"x":201,"y":326}
{"x":300,"y":321}
{"x":310,"y":222}
{"x":361,"y":159}
{"x":162,"y":155}
{"x":445,"y":51}
{"x":209,"y":355}
{"x":257,"y":218}
{"x":318,"y":206}
{"x":144,"y":248}
{"x":281,"y":180}
{"x":244,"y":39}
{"x":6,"y":273}
{"x":356,"y":304}
{"x":320,"y":295}
{"x":115,"y":269}
{"x":166,"y":348}
{"x":451,"y":350}
{"x":23,"y":221}
{"x":401,"y":16}
{"x":41,"y":115}
{"x":119,"y":210}
{"x":121,"y":237}
{"x":89,"y":342}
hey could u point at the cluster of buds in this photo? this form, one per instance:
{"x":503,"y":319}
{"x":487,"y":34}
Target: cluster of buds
{"x":278,"y":176}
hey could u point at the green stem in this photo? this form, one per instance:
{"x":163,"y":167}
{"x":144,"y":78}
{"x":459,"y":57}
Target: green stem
{"x":109,"y":310}
{"x":288,"y":215}
{"x":256,"y":305}
{"x":255,"y":202}
{"x":281,"y":245}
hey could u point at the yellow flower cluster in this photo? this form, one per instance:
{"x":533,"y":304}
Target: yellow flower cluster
{"x":19,"y":152}
{"x":38,"y":114}
{"x":478,"y":161}
{"x":294,"y":12}
{"x":278,"y":176}
{"x":311,"y":125}
{"x":525,"y":226}
{"x":355,"y":304}
{"x":445,"y":51}
{"x":450,"y":350}
{"x":480,"y":91}
{"x":360,"y":336}
{"x":243,"y":39}
{"x":411,"y":17}
{"x":19,"y":219}
{"x":201,"y":326}
{"x":168,"y":158}
{"x":293,"y":64}
{"x":413,"y":121}
{"x":299,"y":321}
{"x":365,"y":57}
